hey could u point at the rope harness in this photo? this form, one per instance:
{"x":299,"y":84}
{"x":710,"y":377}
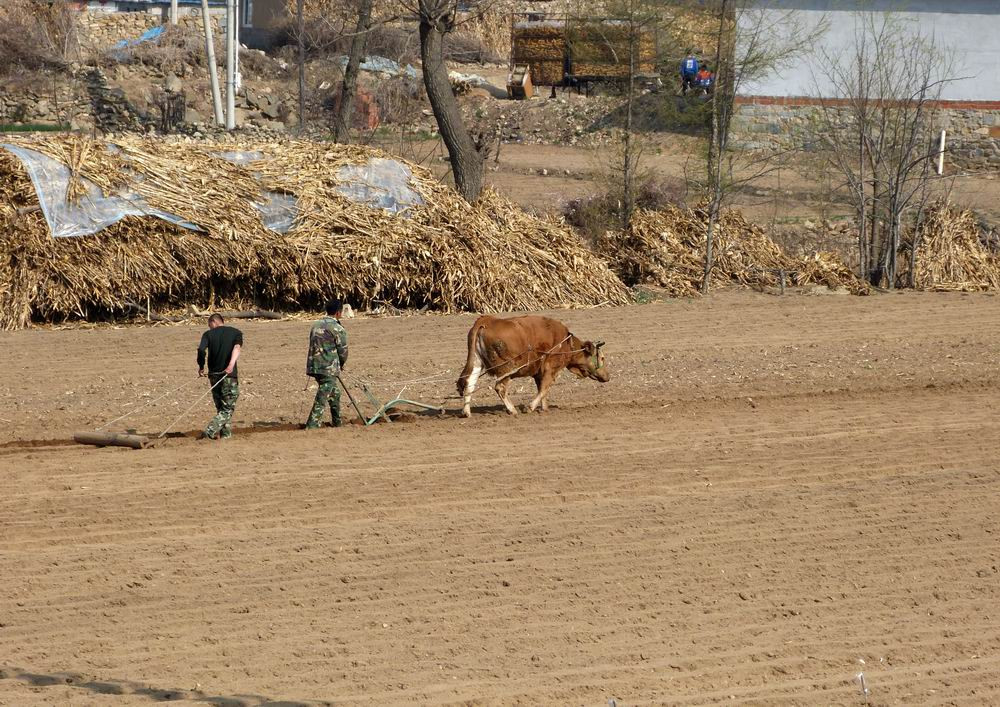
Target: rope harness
{"x":179,"y":417}
{"x":146,"y":405}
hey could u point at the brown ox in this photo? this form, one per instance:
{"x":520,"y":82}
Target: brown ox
{"x":526,"y":347}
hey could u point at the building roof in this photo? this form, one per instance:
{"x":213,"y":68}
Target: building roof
{"x":185,"y":3}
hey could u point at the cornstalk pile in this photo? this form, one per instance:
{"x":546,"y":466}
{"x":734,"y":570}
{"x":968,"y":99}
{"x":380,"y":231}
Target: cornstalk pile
{"x":602,"y":49}
{"x":542,"y":45}
{"x":667,"y":248}
{"x":950,"y":255}
{"x":443,"y":254}
{"x":694,"y":27}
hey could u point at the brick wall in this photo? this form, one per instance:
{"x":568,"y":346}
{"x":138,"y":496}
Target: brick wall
{"x":769,"y":125}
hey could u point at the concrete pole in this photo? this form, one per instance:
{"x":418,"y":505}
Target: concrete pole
{"x":213,"y":71}
{"x":300,"y":34}
{"x":940,"y":159}
{"x":230,"y":64}
{"x":236,"y":45}
{"x":173,"y":12}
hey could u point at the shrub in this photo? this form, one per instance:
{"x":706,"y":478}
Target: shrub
{"x":173,"y":51}
{"x":593,"y":216}
{"x":37,"y":35}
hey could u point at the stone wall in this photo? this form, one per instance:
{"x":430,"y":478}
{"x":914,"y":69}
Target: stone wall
{"x":66,"y":104}
{"x":102,"y":30}
{"x":770,"y":125}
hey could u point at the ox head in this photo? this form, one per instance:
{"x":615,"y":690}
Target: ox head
{"x":589,"y":362}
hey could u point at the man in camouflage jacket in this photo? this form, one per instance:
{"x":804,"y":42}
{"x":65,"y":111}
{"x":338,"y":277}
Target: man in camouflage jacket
{"x":327,"y":356}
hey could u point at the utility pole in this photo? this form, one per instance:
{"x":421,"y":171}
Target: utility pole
{"x":173,"y":12}
{"x":300,"y":30}
{"x":230,"y":64}
{"x":237,"y":79}
{"x":213,"y":71}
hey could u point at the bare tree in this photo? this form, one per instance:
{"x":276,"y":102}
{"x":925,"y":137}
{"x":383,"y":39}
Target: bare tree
{"x":341,"y":128}
{"x":324,"y":25}
{"x":318,"y":27}
{"x":752,"y":40}
{"x":878,"y":127}
{"x":37,"y":35}
{"x":641,"y":20}
{"x":623,"y":47}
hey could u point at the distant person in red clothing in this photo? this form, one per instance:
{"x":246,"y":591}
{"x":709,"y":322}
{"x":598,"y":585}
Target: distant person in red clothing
{"x":704,"y":78}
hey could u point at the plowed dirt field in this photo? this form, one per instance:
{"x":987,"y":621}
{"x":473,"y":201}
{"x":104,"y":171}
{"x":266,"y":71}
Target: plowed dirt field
{"x":769,"y":491}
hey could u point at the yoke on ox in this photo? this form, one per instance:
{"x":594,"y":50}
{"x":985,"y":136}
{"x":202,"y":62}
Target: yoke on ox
{"x":526,"y":347}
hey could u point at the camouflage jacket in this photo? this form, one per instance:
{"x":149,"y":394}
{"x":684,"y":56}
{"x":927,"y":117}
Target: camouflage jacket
{"x":327,"y":348}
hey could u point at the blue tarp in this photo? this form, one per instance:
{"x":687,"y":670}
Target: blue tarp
{"x":150,"y":35}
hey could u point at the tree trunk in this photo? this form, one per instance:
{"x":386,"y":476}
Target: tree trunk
{"x":342,"y":126}
{"x":628,"y":173}
{"x":911,"y":279}
{"x":894,"y":248}
{"x":874,"y":241}
{"x":713,"y":219}
{"x":862,"y":216}
{"x":722,"y":103}
{"x":466,"y":160}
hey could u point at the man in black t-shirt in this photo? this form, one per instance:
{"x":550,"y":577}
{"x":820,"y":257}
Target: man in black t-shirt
{"x":221,"y":345}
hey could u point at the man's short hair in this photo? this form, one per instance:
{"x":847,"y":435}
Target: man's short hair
{"x":217,"y":318}
{"x":334,"y":306}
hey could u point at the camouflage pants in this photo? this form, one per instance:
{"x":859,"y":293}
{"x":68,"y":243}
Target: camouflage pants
{"x":328,"y":393}
{"x":225,"y":395}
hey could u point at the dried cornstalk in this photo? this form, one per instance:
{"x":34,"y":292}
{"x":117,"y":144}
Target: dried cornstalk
{"x":443,"y":254}
{"x":950,"y":255}
{"x":666,"y":248}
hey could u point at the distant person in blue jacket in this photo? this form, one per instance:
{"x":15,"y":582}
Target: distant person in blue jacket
{"x":689,"y":72}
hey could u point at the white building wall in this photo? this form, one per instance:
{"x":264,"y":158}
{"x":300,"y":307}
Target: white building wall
{"x":969,"y":29}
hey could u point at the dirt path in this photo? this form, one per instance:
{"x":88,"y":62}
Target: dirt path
{"x":769,"y":490}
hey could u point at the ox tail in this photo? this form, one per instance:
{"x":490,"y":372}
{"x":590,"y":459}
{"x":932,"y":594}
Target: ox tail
{"x":466,"y":382}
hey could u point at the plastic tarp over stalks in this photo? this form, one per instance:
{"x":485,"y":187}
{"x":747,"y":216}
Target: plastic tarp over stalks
{"x":277,"y":211}
{"x":92,"y":212}
{"x":380,"y":183}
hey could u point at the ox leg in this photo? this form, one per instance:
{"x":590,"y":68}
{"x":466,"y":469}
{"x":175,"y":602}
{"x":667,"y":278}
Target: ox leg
{"x":470,"y":386}
{"x":544,"y":382}
{"x":501,"y":389}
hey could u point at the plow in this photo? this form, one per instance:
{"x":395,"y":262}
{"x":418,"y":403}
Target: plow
{"x":386,"y":411}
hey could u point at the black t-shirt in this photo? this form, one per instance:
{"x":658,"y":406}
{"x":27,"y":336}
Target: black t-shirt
{"x":219,"y":343}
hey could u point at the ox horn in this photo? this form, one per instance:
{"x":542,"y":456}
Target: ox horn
{"x":598,"y":344}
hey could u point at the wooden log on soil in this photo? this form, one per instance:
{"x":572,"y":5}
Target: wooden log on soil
{"x":153,"y":316}
{"x":112,"y":439}
{"x":252,"y":314}
{"x":231,"y":314}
